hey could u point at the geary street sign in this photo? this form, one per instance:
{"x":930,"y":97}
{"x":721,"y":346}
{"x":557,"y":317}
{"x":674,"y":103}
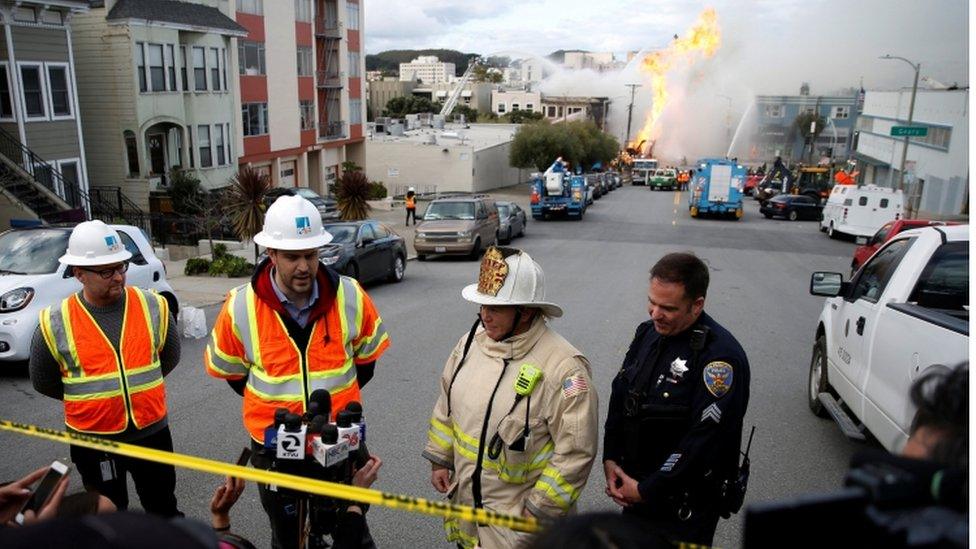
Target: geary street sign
{"x":909,"y":131}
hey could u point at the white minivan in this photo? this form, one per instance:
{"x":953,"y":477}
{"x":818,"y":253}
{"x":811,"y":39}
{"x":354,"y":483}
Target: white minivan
{"x":860,"y":211}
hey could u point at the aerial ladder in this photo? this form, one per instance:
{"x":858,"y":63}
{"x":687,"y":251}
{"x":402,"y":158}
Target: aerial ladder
{"x":456,"y":92}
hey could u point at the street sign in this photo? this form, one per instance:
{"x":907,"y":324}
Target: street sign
{"x":909,"y":131}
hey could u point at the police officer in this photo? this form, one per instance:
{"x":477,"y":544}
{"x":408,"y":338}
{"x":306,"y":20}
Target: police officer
{"x":671,"y":446}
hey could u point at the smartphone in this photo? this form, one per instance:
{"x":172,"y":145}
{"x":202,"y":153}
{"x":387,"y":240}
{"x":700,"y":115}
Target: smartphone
{"x":44,"y":489}
{"x":244,"y":457}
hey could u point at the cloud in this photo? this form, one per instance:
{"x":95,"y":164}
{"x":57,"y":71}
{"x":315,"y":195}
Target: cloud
{"x":456,"y":12}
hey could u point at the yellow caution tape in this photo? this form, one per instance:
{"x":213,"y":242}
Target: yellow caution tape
{"x":302,"y":484}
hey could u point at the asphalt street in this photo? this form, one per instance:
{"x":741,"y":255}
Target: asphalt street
{"x":597,"y":270}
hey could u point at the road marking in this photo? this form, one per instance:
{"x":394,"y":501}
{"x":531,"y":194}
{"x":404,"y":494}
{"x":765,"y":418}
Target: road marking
{"x":677,"y":197}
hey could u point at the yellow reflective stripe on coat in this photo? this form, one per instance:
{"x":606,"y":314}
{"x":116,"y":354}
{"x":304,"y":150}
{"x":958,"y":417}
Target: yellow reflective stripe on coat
{"x":459,"y":536}
{"x":556,"y":488}
{"x":467,"y":446}
{"x":446,"y":510}
{"x":440,"y":434}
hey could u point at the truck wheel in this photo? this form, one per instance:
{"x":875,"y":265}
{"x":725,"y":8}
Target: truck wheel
{"x":830,"y":231}
{"x":818,"y":377}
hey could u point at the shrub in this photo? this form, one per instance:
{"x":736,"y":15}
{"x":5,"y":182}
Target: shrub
{"x":196,"y":266}
{"x":377,"y":191}
{"x":219,"y":251}
{"x":232,"y":266}
{"x":352,"y":194}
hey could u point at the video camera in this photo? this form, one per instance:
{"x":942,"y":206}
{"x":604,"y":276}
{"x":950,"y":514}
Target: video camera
{"x":888,"y":501}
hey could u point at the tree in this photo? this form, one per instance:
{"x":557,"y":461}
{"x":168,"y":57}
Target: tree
{"x":597,"y":145}
{"x":484,"y":73}
{"x":352,"y":194}
{"x":470,"y":114}
{"x":802,"y":124}
{"x":522,"y":116}
{"x":398,"y":107}
{"x":538,"y":144}
{"x":245,"y":202}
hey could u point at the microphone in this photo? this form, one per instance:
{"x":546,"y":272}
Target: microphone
{"x":348,"y":431}
{"x":329,"y":451}
{"x":323,"y":399}
{"x":291,"y":438}
{"x":271,"y":431}
{"x":356,"y":409}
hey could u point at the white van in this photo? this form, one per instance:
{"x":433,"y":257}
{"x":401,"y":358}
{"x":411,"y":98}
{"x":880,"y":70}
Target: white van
{"x":860,"y":211}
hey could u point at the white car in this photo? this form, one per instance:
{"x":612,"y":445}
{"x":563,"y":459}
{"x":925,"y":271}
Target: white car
{"x":31,"y":279}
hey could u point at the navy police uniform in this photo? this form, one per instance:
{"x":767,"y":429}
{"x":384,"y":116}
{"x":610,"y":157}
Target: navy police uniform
{"x":675,"y":425}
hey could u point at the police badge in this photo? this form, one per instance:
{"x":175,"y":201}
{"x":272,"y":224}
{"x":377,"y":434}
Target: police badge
{"x":718,"y":378}
{"x":494,"y":270}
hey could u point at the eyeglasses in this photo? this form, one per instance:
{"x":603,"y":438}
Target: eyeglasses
{"x":110,"y":272}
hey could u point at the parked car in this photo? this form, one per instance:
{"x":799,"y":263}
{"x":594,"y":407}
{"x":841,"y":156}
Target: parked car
{"x":327,"y":207}
{"x":665,"y":178}
{"x":31,"y":279}
{"x":791,"y":206}
{"x":365,"y":250}
{"x":905,"y":312}
{"x":459,"y":225}
{"x":511,"y":221}
{"x":884,"y":234}
{"x":596,"y":189}
{"x":860,"y":211}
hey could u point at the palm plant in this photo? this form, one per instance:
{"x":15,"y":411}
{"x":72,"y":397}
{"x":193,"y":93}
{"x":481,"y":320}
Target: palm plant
{"x":245,"y":202}
{"x":352,"y":194}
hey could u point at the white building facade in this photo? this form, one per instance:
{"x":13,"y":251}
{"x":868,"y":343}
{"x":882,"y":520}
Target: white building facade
{"x":937,"y":165}
{"x":428,"y":69}
{"x":506,"y":101}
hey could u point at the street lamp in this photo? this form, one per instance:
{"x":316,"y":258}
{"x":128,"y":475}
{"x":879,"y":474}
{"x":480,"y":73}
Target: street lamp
{"x":728,"y":122}
{"x":911,"y":112}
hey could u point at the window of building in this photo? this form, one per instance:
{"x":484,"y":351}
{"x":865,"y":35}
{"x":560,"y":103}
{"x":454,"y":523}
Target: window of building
{"x":189,"y":145}
{"x":774,"y":111}
{"x":515,"y":106}
{"x":131,"y":152}
{"x":808,"y":110}
{"x":841,"y":113}
{"x":199,"y":69}
{"x":141,"y":66}
{"x":157,"y":71}
{"x":230,"y":158}
{"x":354,"y":69}
{"x":255,"y":118}
{"x":219,"y":143}
{"x":251,"y":57}
{"x":186,"y":86}
{"x":303,"y":10}
{"x":215,"y":69}
{"x":307,"y":110}
{"x":355,"y":111}
{"x":551,"y":111}
{"x":255,"y":7}
{"x":203,"y":140}
{"x":52,"y":17}
{"x":25,"y":15}
{"x":937,"y":137}
{"x":529,"y":107}
{"x":223,"y":67}
{"x":57,"y":85}
{"x":32,"y":90}
{"x":6,"y":98}
{"x":352,"y":16}
{"x":170,"y":61}
{"x":305,"y":64}
{"x":502,"y":108}
{"x":69,"y":176}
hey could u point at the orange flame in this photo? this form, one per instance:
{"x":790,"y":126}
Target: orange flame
{"x":702,"y":40}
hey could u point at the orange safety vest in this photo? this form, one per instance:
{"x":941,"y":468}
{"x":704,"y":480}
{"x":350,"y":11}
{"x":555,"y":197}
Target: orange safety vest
{"x":250,"y":339}
{"x":103,"y":388}
{"x":411,"y":203}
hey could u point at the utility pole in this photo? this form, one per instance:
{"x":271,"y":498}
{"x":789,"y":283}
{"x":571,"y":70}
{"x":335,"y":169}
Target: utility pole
{"x":630,"y":109}
{"x":911,"y":113}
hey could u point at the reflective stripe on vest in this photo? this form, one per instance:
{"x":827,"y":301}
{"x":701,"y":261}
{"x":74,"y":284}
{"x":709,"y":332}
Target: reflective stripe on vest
{"x":274,"y":364}
{"x":97,"y":398}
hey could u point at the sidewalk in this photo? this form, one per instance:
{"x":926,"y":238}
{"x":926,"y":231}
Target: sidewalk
{"x":200,"y":291}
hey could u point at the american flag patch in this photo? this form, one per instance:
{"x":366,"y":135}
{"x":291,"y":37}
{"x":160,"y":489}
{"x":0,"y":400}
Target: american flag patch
{"x":574,"y":385}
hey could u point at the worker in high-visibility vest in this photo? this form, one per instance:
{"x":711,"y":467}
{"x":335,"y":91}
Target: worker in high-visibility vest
{"x":104,"y":351}
{"x":411,"y":203}
{"x":298,"y":326}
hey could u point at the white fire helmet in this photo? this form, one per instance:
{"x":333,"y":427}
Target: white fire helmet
{"x":292,"y":223}
{"x":94,"y":243}
{"x":509,"y":276}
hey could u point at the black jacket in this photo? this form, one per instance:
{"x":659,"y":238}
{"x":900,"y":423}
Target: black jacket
{"x":686,"y":436}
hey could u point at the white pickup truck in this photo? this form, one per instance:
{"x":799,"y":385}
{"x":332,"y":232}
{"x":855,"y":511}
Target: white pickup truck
{"x":905,"y":310}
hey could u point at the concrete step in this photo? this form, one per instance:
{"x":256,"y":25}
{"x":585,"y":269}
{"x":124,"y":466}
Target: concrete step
{"x":845,"y":422}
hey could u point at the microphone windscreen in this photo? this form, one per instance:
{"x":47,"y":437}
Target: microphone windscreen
{"x":324,"y":400}
{"x":330,"y":434}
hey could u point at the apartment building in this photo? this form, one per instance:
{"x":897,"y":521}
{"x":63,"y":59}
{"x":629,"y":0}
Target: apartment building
{"x":155,"y":90}
{"x":505,"y":101}
{"x":42,"y":149}
{"x":777,"y":134}
{"x":300,"y":69}
{"x":428,"y":69}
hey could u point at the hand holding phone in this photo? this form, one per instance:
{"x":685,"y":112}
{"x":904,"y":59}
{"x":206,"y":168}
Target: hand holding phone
{"x":44,"y":500}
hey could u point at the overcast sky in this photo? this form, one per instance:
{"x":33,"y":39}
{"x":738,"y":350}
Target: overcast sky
{"x":776,"y":43}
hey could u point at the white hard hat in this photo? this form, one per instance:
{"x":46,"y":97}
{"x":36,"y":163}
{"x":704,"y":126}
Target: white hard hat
{"x":94,"y":243}
{"x":410,"y":189}
{"x":292,"y":223}
{"x":510,"y":277}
